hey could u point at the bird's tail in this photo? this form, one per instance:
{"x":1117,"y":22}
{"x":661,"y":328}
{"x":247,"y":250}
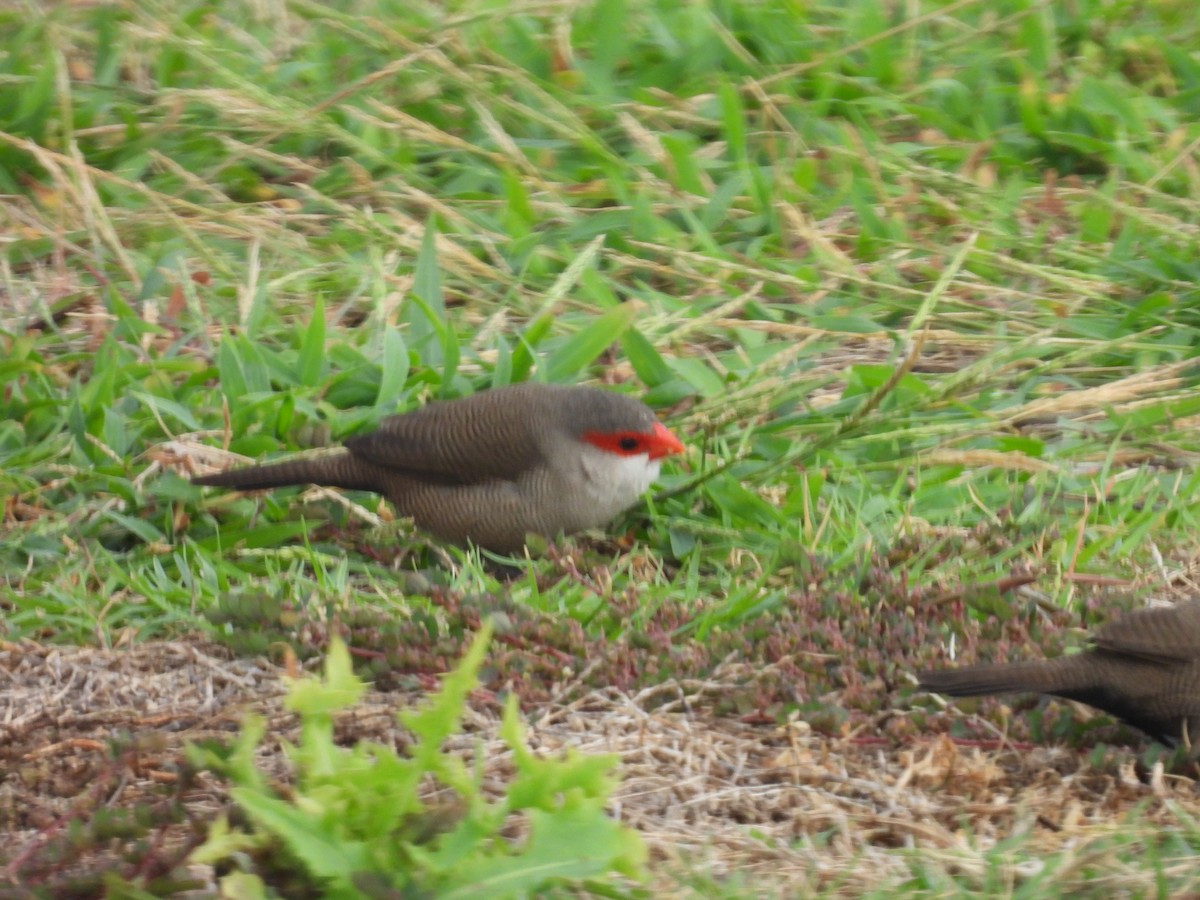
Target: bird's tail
{"x":1045,"y":676}
{"x":331,"y":470}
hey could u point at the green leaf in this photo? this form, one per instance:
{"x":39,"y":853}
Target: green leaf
{"x":223,"y":841}
{"x":741,"y":505}
{"x":168,"y":408}
{"x":502,"y":368}
{"x":698,"y":374}
{"x":733,"y":117}
{"x":573,"y":843}
{"x":847,"y":324}
{"x":237,"y":760}
{"x":582,"y":349}
{"x":311,"y":364}
{"x":446,"y":344}
{"x":139,"y":527}
{"x":439,"y":719}
{"x":257,"y":312}
{"x":116,"y":434}
{"x":541,"y":783}
{"x":242,"y":369}
{"x":35,"y":99}
{"x":325,"y":855}
{"x":427,"y":318}
{"x":253,"y":536}
{"x":609,"y":36}
{"x":645,"y":360}
{"x":229,"y":370}
{"x":393,"y":363}
{"x":338,"y":689}
{"x":524,"y":356}
{"x":685,"y":171}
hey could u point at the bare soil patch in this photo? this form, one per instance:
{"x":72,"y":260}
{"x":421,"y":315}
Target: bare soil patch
{"x":89,"y":734}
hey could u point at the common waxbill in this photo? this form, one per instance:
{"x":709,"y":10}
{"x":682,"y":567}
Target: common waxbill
{"x":1143,"y":668}
{"x":492,"y":467}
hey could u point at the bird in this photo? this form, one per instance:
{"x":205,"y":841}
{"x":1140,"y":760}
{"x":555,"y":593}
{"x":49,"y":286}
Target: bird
{"x":1142,"y":668}
{"x":490,"y":468}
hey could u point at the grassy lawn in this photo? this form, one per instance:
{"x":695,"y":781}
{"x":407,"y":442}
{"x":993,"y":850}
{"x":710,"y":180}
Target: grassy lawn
{"x":915,"y":283}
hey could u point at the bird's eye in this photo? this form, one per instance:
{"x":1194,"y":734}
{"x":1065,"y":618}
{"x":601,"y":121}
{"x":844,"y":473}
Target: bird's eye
{"x":628,"y":444}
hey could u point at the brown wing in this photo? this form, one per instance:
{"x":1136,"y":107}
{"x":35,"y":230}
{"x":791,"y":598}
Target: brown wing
{"x":493,"y":435}
{"x":1163,"y":634}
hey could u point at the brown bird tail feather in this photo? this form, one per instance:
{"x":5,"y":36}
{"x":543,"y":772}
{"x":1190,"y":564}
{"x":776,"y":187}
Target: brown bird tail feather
{"x":1039,"y":677}
{"x":334,"y":470}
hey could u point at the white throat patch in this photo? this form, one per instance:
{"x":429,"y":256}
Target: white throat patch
{"x":615,"y":482}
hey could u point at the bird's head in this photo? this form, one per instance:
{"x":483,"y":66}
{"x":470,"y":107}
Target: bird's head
{"x":619,"y":426}
{"x":602,"y":450}
{"x":623,"y":446}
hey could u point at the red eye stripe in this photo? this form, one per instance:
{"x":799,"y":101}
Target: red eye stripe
{"x":623,"y":443}
{"x":659,"y":443}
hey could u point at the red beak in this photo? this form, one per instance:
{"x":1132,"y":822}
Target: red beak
{"x":663,"y":443}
